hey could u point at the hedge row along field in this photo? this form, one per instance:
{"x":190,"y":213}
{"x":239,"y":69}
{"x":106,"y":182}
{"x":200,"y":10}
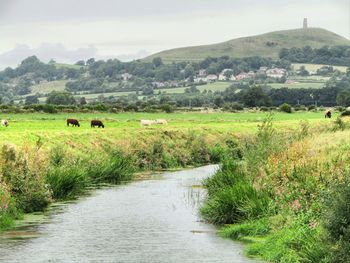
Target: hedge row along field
{"x":286,"y":194}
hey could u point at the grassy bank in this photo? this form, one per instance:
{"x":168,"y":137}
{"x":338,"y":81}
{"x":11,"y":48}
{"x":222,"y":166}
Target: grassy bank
{"x":42,"y":160}
{"x":286,"y":194}
{"x":51,"y":165}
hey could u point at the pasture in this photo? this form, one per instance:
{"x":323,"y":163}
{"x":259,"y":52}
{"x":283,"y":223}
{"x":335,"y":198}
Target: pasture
{"x":315,"y":67}
{"x":52,"y":128}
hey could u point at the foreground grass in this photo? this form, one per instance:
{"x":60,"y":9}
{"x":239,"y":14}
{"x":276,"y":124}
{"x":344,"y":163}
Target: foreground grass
{"x":286,"y":194}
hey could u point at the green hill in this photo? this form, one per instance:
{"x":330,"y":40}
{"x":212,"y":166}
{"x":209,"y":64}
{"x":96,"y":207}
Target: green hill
{"x":266,"y":45}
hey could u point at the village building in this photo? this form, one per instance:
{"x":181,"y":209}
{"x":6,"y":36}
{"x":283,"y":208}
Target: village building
{"x":262,"y":71}
{"x":157,"y":84}
{"x":126,"y":76}
{"x":242,"y":76}
{"x":212,"y":78}
{"x":202,"y":73}
{"x":251,"y":74}
{"x":276,"y":73}
{"x":200,"y":80}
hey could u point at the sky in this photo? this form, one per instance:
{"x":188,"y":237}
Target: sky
{"x":70,"y":30}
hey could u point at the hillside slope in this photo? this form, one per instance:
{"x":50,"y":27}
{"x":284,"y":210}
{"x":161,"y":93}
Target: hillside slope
{"x":265,"y":45}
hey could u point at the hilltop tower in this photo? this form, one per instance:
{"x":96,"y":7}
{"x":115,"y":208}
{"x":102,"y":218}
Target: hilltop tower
{"x":305,"y":26}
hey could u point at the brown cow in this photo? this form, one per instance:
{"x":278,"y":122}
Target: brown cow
{"x":74,"y":122}
{"x":98,"y":123}
{"x":328,"y":114}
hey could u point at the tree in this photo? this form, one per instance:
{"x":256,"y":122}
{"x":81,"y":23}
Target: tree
{"x":80,"y":63}
{"x":189,"y":71}
{"x":343,"y":98}
{"x":303,"y":71}
{"x":90,"y":61}
{"x":31,"y":100}
{"x":255,"y":96}
{"x":83,"y":101}
{"x":60,"y":98}
{"x":157,"y":62}
{"x":286,"y":108}
{"x":228,"y":74}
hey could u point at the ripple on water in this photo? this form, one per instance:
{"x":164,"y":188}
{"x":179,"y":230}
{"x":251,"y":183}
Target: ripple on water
{"x":154,"y":220}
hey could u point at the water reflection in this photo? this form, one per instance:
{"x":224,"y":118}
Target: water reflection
{"x":144,"y":221}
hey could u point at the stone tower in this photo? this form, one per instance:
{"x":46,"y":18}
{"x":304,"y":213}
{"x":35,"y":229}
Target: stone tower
{"x":305,"y":23}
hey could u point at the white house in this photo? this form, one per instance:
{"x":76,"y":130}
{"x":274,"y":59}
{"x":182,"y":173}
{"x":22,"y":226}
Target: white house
{"x":276,"y":73}
{"x":212,"y":78}
{"x":242,"y":75}
{"x":126,"y":76}
{"x":202,"y":73}
{"x":222,"y":77}
{"x":200,"y":79}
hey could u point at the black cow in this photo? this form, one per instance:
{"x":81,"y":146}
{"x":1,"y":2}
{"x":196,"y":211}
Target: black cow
{"x":97,"y":123}
{"x":74,"y":122}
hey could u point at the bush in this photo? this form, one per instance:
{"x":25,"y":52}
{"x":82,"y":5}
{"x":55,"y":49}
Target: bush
{"x":345,"y":113}
{"x":27,"y":185}
{"x":286,"y":108}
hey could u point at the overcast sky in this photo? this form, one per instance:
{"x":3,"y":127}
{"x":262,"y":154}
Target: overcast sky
{"x":69,"y":30}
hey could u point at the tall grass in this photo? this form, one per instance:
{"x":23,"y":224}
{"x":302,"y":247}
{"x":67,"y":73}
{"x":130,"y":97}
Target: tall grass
{"x":114,"y":169}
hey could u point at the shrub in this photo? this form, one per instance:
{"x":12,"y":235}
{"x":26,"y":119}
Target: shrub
{"x":27,"y":185}
{"x":345,"y":113}
{"x":286,"y":108}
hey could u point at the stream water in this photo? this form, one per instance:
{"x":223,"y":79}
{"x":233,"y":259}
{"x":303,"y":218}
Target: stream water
{"x":152,"y":220}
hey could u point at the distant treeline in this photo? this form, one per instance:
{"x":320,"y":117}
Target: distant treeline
{"x":336,"y":55}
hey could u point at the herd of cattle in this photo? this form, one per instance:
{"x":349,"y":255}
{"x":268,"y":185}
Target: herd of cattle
{"x":99,"y":124}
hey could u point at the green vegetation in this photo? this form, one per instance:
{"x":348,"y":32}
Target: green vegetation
{"x":266,"y":45}
{"x":45,"y":88}
{"x":315,"y":67}
{"x":286,"y":194}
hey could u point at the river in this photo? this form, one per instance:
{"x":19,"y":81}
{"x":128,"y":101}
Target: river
{"x":152,"y":220}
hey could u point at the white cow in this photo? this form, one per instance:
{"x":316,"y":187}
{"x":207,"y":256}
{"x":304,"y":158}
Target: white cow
{"x":5,"y":123}
{"x":161,"y":121}
{"x":147,"y":122}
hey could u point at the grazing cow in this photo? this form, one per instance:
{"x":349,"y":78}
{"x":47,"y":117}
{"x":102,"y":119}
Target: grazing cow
{"x":147,"y":122}
{"x":328,"y":114}
{"x":97,"y":123}
{"x":161,"y":121}
{"x":74,"y":122}
{"x":5,"y":123}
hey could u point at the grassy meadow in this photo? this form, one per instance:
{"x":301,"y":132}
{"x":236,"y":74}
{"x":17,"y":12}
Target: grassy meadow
{"x":52,"y":128}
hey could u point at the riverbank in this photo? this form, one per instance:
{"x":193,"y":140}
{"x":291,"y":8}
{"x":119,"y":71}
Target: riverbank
{"x":34,"y":175}
{"x":286,"y":194}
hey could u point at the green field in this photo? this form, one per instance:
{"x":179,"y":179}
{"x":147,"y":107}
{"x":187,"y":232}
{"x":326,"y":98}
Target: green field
{"x":63,"y":65}
{"x":315,"y":67}
{"x":45,"y":88}
{"x":312,"y":85}
{"x":52,"y":127}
